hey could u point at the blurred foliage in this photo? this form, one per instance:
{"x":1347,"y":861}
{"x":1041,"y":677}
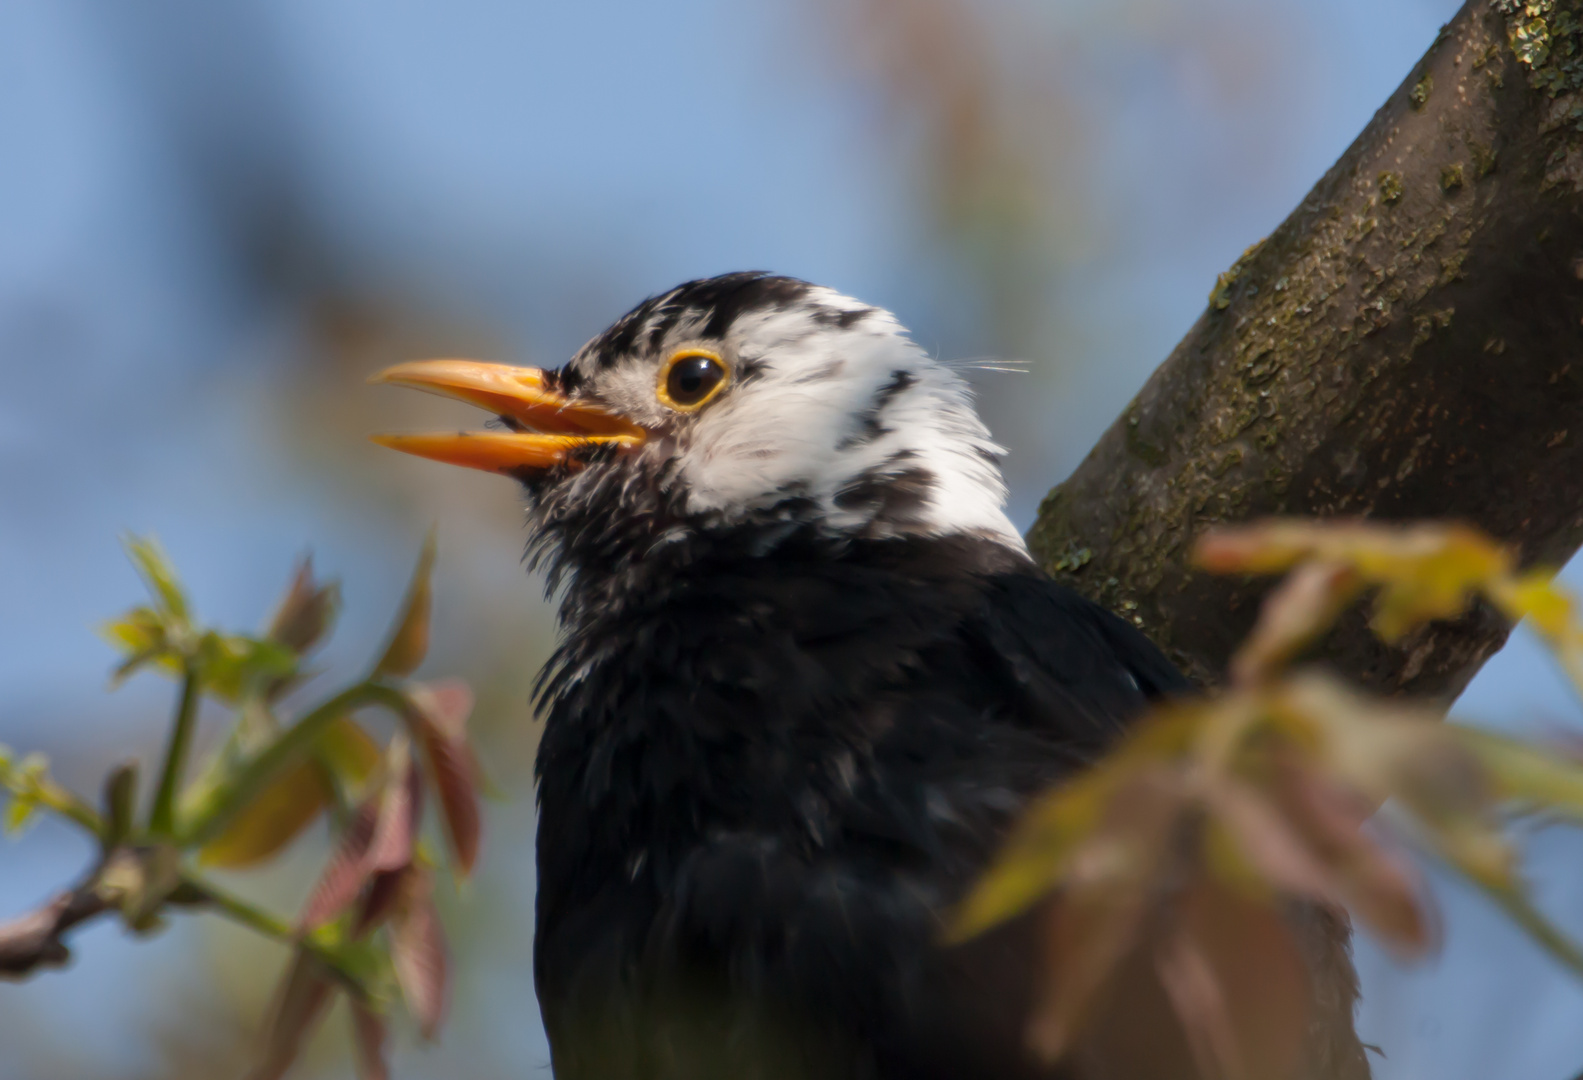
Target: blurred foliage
{"x":1192,"y":839}
{"x":994,"y":138}
{"x":370,"y":930}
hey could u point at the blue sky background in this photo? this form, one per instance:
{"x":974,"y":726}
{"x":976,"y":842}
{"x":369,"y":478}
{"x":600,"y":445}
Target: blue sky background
{"x":216,"y":219}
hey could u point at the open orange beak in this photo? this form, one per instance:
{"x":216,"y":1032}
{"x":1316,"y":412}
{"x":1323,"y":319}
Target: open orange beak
{"x":549,"y":426}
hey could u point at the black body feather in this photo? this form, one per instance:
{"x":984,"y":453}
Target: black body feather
{"x":763,"y":780}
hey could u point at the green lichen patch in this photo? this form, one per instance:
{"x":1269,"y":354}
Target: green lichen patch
{"x":1142,"y":448}
{"x":1565,"y":111}
{"x":1483,"y":159}
{"x":1391,"y":188}
{"x":1220,"y":295}
{"x":1073,"y":559}
{"x":1425,"y":326}
{"x":1483,"y":58}
{"x":1451,"y":177}
{"x":1547,"y":37}
{"x":1419,"y":95}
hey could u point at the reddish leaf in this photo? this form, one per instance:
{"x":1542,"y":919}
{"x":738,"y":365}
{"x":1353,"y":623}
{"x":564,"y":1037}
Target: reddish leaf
{"x":417,"y":952}
{"x":400,"y":812}
{"x":384,"y":892}
{"x":379,"y":843}
{"x":368,"y":1038}
{"x":1095,"y":920}
{"x":1300,"y":609}
{"x":305,"y":612}
{"x":1381,"y":887}
{"x":1279,"y":853}
{"x":440,"y":712}
{"x":1238,"y":984}
{"x":300,"y":1004}
{"x":347,"y":871}
{"x":1088,"y":933}
{"x":1189,"y":981}
{"x":445,"y":704}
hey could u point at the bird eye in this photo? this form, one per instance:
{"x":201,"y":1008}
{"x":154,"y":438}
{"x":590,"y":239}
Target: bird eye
{"x":691,"y":378}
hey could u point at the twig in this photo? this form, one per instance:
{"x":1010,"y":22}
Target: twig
{"x":35,"y":940}
{"x":200,"y":892}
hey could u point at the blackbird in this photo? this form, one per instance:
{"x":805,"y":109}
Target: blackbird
{"x":808,"y":675}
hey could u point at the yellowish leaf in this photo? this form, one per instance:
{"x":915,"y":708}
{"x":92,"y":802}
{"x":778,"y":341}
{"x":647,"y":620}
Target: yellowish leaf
{"x":293,"y":801}
{"x":1536,"y":596}
{"x":272,"y":820}
{"x":348,"y":750}
{"x":154,"y":567}
{"x":409,"y":641}
{"x":1034,"y":858}
{"x":1096,"y":829}
{"x":1425,"y":571}
{"x":1535,"y":779}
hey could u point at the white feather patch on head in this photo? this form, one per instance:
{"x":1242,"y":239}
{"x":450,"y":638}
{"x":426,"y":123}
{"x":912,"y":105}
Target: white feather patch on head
{"x":820,"y":405}
{"x":833,"y":405}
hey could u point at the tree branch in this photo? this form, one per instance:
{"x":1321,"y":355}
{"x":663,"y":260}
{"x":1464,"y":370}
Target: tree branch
{"x":36,"y":940}
{"x":1406,"y":345}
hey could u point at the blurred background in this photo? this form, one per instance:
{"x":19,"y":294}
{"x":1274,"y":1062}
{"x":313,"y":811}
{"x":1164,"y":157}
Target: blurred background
{"x":217,"y":219}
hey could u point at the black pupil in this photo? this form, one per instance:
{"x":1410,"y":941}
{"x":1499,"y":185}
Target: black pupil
{"x":691,"y":379}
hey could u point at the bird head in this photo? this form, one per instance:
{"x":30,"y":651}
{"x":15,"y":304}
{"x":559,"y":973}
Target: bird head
{"x":747,"y":406}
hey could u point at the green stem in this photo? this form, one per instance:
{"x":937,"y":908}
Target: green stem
{"x":162,"y":818}
{"x":231,"y":798}
{"x":69,"y":806}
{"x":267,"y":925}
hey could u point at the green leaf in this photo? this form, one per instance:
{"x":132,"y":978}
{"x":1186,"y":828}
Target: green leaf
{"x":154,"y":567}
{"x":141,"y":636}
{"x":19,"y":815}
{"x":231,"y":665}
{"x":26,"y":781}
{"x":409,"y":641}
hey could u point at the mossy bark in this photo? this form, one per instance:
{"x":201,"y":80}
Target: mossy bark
{"x":1407,"y":345}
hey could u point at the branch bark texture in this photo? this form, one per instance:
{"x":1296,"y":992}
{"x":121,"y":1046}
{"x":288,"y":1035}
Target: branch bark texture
{"x":1408,"y":344}
{"x":38,"y":939}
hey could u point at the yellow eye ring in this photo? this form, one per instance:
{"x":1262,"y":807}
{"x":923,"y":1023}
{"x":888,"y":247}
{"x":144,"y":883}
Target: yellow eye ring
{"x":691,"y":379}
